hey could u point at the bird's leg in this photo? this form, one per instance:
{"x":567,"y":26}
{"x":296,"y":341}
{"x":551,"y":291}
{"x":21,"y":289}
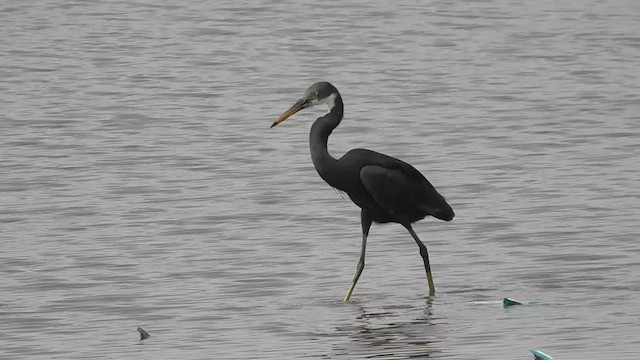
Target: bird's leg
{"x":366,"y":225}
{"x":425,"y":258}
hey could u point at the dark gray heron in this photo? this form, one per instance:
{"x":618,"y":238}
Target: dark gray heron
{"x":385,"y":188}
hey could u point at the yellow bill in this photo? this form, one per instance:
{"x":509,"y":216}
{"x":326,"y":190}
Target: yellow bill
{"x":299,"y":105}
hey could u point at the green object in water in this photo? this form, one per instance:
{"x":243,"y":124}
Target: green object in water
{"x":539,"y":355}
{"x":510,"y":302}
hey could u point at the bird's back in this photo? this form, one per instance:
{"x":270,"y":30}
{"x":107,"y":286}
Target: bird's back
{"x":390,"y":189}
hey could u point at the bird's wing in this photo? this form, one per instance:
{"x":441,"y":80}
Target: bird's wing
{"x":393,"y":188}
{"x":404,"y":191}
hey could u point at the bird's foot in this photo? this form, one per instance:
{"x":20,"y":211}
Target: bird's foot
{"x":432,"y":287}
{"x":349,"y":292}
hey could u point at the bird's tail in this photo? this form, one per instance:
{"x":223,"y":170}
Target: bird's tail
{"x":444,"y":213}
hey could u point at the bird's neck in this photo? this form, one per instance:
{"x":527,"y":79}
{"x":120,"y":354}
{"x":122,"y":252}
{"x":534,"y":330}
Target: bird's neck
{"x":319,"y":136}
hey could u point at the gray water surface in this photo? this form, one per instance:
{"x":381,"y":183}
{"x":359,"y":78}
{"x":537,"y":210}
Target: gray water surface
{"x":141,"y":184}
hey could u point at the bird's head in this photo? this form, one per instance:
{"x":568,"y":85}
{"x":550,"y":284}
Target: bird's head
{"x":319,"y":93}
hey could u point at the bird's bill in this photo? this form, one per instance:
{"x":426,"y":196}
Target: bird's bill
{"x":299,"y":105}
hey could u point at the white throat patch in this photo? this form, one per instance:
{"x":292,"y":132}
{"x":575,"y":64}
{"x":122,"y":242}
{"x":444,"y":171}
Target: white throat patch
{"x":330,"y":101}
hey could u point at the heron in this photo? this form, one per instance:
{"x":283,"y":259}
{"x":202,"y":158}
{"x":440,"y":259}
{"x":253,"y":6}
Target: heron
{"x":386,"y":189}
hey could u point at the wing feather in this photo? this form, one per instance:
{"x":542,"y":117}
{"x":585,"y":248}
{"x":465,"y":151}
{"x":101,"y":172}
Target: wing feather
{"x":404,"y":192}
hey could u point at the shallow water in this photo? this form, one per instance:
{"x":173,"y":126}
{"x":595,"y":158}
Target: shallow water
{"x":142,"y":185}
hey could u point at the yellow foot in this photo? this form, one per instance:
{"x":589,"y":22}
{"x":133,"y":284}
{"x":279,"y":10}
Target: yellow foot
{"x":348,"y":296}
{"x":432,"y":287}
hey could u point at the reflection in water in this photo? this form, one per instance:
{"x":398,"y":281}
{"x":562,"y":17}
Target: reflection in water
{"x":391,"y":332}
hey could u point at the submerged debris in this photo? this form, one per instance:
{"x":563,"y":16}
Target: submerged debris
{"x":143,"y":333}
{"x":510,"y":302}
{"x":539,"y":355}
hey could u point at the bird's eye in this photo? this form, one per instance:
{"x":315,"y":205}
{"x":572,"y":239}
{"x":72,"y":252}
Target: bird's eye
{"x":315,"y":93}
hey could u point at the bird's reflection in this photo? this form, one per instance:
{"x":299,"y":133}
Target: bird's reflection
{"x":395,"y":331}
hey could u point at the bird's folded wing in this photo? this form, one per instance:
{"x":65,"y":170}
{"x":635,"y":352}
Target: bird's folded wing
{"x":391,"y":188}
